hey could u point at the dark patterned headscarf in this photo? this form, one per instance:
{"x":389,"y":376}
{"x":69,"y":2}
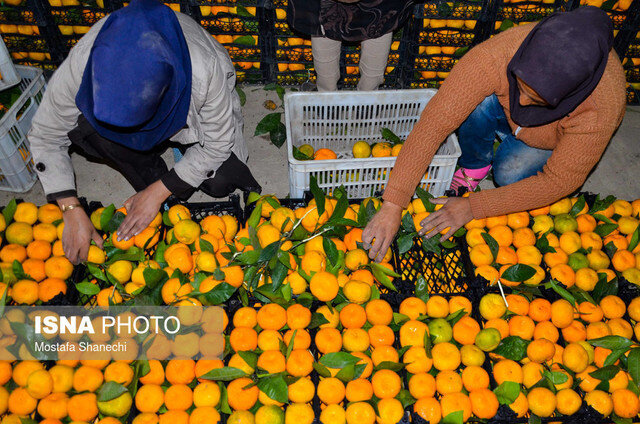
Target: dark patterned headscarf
{"x":562,"y":59}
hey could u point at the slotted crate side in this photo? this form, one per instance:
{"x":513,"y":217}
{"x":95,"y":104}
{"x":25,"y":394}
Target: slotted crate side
{"x":338,"y":120}
{"x":17,"y":170}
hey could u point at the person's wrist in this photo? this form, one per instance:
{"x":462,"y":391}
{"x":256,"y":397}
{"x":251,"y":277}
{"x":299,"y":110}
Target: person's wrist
{"x":161,"y":192}
{"x":392,"y":207}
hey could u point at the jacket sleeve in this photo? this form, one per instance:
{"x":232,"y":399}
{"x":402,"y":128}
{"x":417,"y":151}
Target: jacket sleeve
{"x":55,"y":117}
{"x":471,"y":80}
{"x":201,"y":160}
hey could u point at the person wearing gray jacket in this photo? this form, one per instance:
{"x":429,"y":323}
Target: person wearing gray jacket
{"x":142,"y":77}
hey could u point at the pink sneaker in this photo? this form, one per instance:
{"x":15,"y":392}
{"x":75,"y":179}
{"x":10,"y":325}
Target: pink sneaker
{"x":469,"y":178}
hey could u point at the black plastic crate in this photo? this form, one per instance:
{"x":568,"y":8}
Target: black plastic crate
{"x":18,"y":15}
{"x":447,"y":272}
{"x":203,"y":209}
{"x":26,"y":43}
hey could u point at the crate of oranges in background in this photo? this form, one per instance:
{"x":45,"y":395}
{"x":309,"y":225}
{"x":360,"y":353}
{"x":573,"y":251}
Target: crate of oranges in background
{"x":26,"y":33}
{"x":631,"y":64}
{"x":442,"y":33}
{"x":236,"y":26}
{"x":74,"y":19}
{"x":293,"y":64}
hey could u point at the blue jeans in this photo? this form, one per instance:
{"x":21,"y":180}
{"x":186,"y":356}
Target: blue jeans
{"x":512,"y":161}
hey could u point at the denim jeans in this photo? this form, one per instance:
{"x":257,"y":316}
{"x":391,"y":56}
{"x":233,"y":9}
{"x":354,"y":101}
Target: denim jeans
{"x":512,"y":161}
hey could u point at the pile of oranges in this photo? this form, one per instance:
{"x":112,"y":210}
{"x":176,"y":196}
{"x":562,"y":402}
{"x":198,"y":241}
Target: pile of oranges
{"x":311,"y":332}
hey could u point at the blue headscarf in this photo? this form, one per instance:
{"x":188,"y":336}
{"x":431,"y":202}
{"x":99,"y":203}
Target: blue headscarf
{"x":136,"y":87}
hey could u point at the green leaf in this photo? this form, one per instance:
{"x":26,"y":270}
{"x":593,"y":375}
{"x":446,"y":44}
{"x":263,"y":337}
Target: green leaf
{"x":318,"y":194}
{"x":241,"y":95}
{"x":633,"y":365}
{"x":110,"y":390}
{"x":380,"y":273}
{"x":275,"y":388}
{"x":634,"y":239}
{"x":493,"y":245}
{"x":330,"y":250}
{"x":317,"y":319}
{"x":604,"y":230}
{"x":512,"y":347}
{"x":506,"y":24}
{"x":268,"y":123}
{"x":17,"y":269}
{"x":278,"y":135}
{"x":9,"y":210}
{"x":534,"y":419}
{"x":255,"y":216}
{"x":577,"y":207}
{"x":224,"y":400}
{"x":96,"y":271}
{"x":389,"y":365}
{"x":152,"y":277}
{"x":455,"y":317}
{"x":88,"y":288}
{"x":405,"y":398}
{"x":555,"y":377}
{"x":618,"y":420}
{"x":407,"y":225}
{"x":248,"y":258}
{"x":321,"y":370}
{"x":613,"y":357}
{"x":338,"y":359}
{"x":3,"y":301}
{"x":605,"y":373}
{"x":561,"y":291}
{"x":518,"y":273}
{"x":507,"y":392}
{"x":428,"y":344}
{"x":269,"y":252}
{"x":245,"y":40}
{"x":604,"y":288}
{"x":224,"y":374}
{"x":219,"y":294}
{"x":611,"y":342}
{"x":298,"y":155}
{"x":453,"y":418}
{"x":425,"y":197}
{"x":602,"y":204}
{"x":346,"y":373}
{"x":389,"y":135}
{"x":543,"y":244}
{"x":114,"y":223}
{"x":461,"y":51}
{"x":422,"y":289}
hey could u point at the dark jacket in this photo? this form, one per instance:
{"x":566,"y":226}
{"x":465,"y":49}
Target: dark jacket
{"x":359,"y":21}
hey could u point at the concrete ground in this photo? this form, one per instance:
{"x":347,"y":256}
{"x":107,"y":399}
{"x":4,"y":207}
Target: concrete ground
{"x":615,"y":174}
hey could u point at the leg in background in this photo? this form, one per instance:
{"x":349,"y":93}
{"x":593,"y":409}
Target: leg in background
{"x":326,"y":61}
{"x":374,"y":54}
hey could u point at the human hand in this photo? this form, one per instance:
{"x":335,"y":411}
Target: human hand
{"x":382,"y":228}
{"x":455,"y":212}
{"x":77,"y":235}
{"x":142,"y":207}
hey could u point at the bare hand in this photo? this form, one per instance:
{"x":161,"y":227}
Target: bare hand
{"x":381,"y":230}
{"x":455,"y":212}
{"x":77,"y":235}
{"x":141,"y":208}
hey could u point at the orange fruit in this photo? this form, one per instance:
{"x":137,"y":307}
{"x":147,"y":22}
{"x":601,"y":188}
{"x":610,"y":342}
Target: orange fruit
{"x":386,"y":384}
{"x":542,"y":401}
{"x":240,"y":398}
{"x":453,"y":402}
{"x":484,"y":403}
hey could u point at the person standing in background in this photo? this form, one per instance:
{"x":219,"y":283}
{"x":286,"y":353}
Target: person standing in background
{"x":330,"y":22}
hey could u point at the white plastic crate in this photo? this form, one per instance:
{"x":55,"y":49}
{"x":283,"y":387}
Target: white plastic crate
{"x":17,"y":170}
{"x":8,"y":73}
{"x":337,"y":120}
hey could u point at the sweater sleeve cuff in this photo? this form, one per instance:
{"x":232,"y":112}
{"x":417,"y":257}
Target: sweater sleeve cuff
{"x":52,"y":197}
{"x":176,"y":185}
{"x":399,"y":197}
{"x":477,"y":205}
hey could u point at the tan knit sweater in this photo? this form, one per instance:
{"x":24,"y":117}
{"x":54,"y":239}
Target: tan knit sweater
{"x":577,"y":140}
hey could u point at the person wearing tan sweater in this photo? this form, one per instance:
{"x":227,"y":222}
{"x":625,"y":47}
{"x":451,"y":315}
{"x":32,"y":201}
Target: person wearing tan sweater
{"x":553,"y":93}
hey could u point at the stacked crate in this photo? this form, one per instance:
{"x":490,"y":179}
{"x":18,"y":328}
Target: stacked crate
{"x":235,"y":25}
